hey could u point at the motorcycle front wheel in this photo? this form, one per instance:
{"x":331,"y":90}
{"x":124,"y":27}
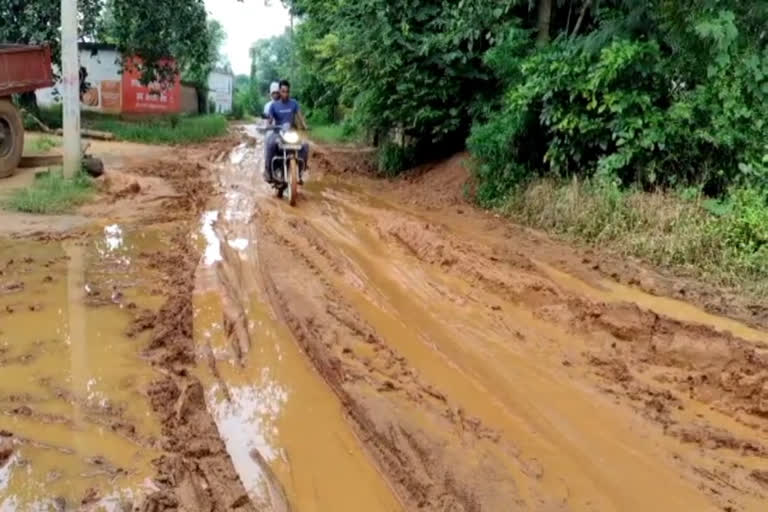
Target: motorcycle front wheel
{"x":293,"y":181}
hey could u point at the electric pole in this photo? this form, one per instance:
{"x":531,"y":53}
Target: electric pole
{"x":70,"y":79}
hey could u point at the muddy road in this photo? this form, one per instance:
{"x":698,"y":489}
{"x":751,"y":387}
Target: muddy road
{"x":380,"y":347}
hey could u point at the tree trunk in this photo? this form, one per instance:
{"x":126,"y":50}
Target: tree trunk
{"x":584,"y":8}
{"x":544,"y":18}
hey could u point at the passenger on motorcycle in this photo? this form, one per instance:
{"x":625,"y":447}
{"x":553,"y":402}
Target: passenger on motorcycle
{"x":274,"y":94}
{"x":285,"y":110}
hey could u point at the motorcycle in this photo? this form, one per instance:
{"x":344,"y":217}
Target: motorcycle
{"x":288,"y":165}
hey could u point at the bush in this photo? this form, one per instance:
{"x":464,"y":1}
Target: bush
{"x":743,"y":228}
{"x":238,"y":111}
{"x":51,"y":116}
{"x":624,"y":112}
{"x":394,"y":158}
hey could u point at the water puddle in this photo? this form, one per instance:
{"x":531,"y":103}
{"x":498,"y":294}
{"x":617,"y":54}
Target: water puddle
{"x":277,"y":405}
{"x":284,"y":429}
{"x":682,"y":311}
{"x":72,"y":403}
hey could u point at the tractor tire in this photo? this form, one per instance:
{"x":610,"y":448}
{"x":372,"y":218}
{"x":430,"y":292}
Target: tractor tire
{"x":11,"y":138}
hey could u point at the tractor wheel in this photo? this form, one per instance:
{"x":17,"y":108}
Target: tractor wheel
{"x":11,"y":138}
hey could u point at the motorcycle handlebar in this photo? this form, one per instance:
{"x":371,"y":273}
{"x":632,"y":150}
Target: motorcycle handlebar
{"x":270,"y":128}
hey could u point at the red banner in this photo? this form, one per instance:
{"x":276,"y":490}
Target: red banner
{"x":157,"y":97}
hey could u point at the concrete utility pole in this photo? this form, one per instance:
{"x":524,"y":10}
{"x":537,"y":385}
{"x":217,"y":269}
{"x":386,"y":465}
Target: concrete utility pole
{"x":70,"y":79}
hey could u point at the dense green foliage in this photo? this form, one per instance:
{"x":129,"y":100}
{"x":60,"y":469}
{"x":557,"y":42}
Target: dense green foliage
{"x":156,"y":31}
{"x":632,"y":107}
{"x":270,"y":61}
{"x":655,"y":92}
{"x":402,"y":68}
{"x":38,"y":22}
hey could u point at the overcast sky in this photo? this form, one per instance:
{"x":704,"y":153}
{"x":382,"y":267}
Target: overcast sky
{"x":246,"y":22}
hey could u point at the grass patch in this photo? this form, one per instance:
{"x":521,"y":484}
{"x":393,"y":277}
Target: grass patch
{"x":333,"y":133}
{"x":722,"y":242}
{"x":51,"y":193}
{"x":35,"y":144}
{"x":170,"y":129}
{"x":166,"y":130}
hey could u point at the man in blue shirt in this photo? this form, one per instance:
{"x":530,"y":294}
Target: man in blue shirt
{"x":285,"y":111}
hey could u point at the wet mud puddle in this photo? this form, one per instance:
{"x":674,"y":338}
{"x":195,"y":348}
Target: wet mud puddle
{"x":284,"y":428}
{"x":75,"y":424}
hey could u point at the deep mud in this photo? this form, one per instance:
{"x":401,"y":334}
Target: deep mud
{"x":385,"y":346}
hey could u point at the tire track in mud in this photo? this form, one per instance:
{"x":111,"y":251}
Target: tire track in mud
{"x":279,"y":469}
{"x":703,"y":386}
{"x":474,"y":378}
{"x":437,"y":457}
{"x":196,"y":472}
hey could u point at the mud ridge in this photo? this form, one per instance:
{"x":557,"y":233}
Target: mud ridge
{"x":417,"y":437}
{"x":195,"y":473}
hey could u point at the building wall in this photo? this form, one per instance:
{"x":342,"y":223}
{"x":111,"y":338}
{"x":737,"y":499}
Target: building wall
{"x":154,"y":98}
{"x":189,"y":104}
{"x":102,"y":66}
{"x":221,"y":91}
{"x":114,"y":92}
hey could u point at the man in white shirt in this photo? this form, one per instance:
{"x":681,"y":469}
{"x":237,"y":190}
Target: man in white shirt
{"x":274,"y":93}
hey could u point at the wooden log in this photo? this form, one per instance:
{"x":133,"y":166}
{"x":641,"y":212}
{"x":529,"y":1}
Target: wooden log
{"x":92,"y":134}
{"x":40,"y":161}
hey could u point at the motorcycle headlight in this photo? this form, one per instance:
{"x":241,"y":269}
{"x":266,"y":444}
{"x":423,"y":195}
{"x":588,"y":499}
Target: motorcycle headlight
{"x":291,"y":137}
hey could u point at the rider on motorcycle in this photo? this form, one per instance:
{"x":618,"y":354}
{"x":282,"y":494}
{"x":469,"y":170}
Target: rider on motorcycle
{"x":285,"y":110}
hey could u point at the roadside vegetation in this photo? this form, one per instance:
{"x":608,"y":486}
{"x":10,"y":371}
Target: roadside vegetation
{"x":165,"y":130}
{"x":724,"y":242}
{"x":51,"y":192}
{"x":632,"y":124}
{"x":176,"y":129}
{"x":39,"y":144}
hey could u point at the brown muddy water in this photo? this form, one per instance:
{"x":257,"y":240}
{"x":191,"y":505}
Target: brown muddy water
{"x":71,"y":402}
{"x":282,"y":426}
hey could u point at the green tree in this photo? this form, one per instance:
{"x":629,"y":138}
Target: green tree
{"x":38,"y":22}
{"x":656,"y":93}
{"x":218,"y":37}
{"x":270,"y":61}
{"x":156,"y":31}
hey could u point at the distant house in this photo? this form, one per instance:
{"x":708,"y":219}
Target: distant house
{"x":221,"y":87}
{"x":114,"y":86}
